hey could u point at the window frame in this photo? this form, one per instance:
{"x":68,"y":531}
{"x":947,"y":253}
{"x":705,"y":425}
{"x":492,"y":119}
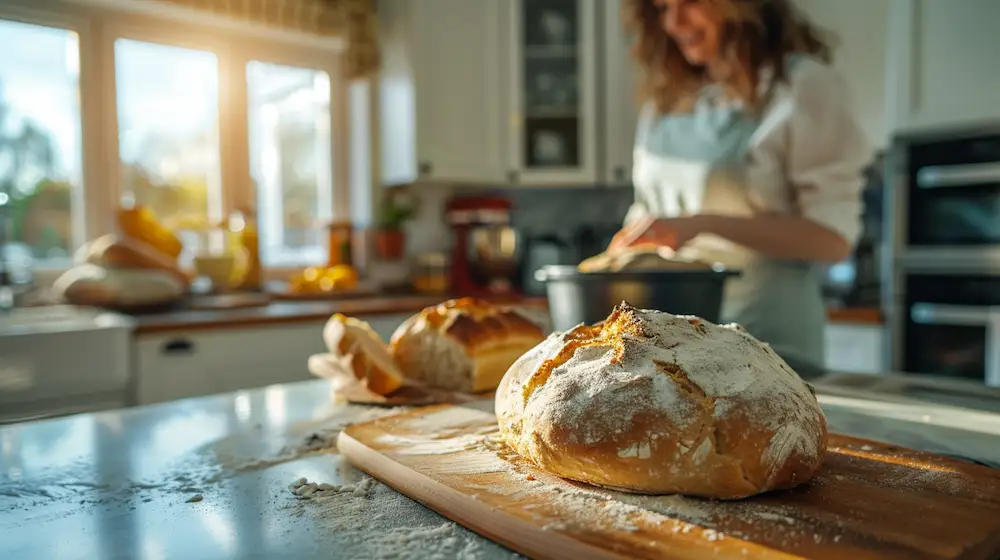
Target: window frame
{"x":84,"y":216}
{"x":235,"y":44}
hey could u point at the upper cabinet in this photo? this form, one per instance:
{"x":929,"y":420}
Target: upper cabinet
{"x":942,"y":63}
{"x":553,"y":91}
{"x":621,"y":109}
{"x":506,"y":92}
{"x":441,"y":91}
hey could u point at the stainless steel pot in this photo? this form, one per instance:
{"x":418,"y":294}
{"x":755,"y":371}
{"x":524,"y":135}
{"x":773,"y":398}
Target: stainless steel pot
{"x":589,"y":297}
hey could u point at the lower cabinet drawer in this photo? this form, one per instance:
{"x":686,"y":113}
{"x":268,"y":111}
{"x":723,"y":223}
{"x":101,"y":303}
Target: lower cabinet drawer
{"x":854,"y":348}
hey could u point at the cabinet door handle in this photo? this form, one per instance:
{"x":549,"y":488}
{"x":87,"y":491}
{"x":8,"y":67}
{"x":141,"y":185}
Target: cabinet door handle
{"x":426,"y":168}
{"x":178,"y":347}
{"x":512,"y":176}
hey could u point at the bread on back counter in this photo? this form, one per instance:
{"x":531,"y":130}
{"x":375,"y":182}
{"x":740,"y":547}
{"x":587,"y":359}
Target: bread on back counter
{"x":115,"y":252}
{"x":639,"y":258}
{"x":463,"y":345}
{"x":362,"y":351}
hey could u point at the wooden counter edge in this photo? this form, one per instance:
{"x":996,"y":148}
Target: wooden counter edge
{"x":855,"y":315}
{"x":227,"y":319}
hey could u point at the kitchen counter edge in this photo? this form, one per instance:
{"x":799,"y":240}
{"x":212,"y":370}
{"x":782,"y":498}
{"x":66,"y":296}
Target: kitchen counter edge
{"x":278,"y":312}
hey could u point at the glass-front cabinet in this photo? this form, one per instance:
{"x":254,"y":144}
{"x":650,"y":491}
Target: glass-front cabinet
{"x":553,"y":92}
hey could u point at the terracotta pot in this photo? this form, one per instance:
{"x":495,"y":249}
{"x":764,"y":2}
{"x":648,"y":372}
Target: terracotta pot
{"x":390,"y":243}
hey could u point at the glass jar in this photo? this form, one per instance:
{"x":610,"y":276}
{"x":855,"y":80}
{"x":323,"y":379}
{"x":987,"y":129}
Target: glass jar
{"x":341,"y":240}
{"x":430,"y":275}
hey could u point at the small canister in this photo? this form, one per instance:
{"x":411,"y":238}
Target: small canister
{"x":430,"y":274}
{"x":341,"y":241}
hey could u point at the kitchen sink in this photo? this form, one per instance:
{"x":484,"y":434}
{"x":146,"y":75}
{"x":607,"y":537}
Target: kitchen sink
{"x":62,"y":359}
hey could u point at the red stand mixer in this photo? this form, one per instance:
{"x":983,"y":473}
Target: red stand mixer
{"x":485,"y":249}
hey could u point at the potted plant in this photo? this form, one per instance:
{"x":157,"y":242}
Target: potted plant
{"x":390,"y":239}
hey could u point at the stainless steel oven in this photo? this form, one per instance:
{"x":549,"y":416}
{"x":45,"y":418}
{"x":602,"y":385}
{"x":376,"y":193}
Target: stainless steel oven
{"x":941,"y":269}
{"x":944,"y":205}
{"x":952,"y":326}
{"x":954,"y":193}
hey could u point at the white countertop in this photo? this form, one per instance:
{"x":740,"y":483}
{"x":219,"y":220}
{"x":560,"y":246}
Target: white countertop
{"x":117,"y":484}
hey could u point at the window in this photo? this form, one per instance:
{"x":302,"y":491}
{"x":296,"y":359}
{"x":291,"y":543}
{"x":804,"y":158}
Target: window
{"x":290,"y":160}
{"x":40,"y":146}
{"x":191,"y":118}
{"x":168,"y":134}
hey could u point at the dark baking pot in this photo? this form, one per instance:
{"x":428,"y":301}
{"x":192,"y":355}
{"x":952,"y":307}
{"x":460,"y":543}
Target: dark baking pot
{"x":589,"y":297}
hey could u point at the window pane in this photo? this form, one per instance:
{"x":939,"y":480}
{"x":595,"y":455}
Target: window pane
{"x":290,"y":161}
{"x":40,"y":154}
{"x":168,"y":133}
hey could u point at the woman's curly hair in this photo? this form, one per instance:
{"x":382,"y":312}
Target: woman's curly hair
{"x":755,"y":34}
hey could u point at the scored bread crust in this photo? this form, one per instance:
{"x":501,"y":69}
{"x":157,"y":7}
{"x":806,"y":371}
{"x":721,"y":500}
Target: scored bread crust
{"x":365,"y":353}
{"x":463,"y":344}
{"x":650,"y":402}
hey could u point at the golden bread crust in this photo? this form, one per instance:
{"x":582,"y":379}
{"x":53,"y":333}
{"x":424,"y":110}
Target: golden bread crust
{"x":369,"y":359}
{"x":656,"y":403}
{"x":463,"y":344}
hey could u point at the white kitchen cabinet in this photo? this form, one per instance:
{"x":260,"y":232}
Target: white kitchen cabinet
{"x":182,"y":364}
{"x":506,"y":92}
{"x":553,"y":91}
{"x":621,"y":109}
{"x":942,"y":63}
{"x":854,"y":348}
{"x":441,"y":94}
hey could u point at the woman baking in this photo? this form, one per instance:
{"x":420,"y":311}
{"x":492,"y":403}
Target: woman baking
{"x":748,"y":154}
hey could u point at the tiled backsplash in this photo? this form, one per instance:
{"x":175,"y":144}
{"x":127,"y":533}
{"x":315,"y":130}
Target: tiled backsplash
{"x":536,"y":211}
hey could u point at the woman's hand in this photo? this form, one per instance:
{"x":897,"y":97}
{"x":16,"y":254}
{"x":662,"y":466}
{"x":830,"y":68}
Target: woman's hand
{"x":778,"y":236}
{"x":663,"y":232}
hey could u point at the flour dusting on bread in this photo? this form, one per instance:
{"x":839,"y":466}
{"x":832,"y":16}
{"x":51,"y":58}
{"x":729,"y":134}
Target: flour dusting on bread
{"x":653,"y":402}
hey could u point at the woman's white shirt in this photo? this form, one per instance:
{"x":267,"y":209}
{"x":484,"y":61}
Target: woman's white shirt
{"x":805,"y":157}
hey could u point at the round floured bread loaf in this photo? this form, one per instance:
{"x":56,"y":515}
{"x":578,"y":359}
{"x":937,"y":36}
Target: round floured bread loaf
{"x":463,"y":345}
{"x":656,"y":403}
{"x":357,"y":348}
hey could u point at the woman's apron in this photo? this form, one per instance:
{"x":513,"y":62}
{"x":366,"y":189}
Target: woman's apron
{"x":696,"y":163}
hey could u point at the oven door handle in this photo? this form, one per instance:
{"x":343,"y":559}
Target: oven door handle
{"x":938,"y":176}
{"x":966,"y":316}
{"x":953,"y":315}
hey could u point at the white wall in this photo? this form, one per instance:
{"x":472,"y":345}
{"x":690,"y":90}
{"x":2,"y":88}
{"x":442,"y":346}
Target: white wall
{"x":862,"y":27}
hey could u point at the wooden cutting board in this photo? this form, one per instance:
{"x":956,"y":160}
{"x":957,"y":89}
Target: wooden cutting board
{"x":869,"y":500}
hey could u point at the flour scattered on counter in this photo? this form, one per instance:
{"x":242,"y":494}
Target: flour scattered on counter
{"x":370,"y":521}
{"x":319,"y":437}
{"x":198,"y":472}
{"x":305,"y":490}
